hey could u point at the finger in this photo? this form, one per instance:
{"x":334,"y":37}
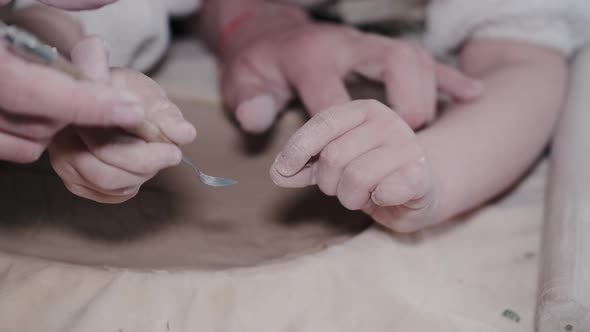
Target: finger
{"x":456,"y":84}
{"x":257,"y":114}
{"x":97,"y":196}
{"x":406,"y":220}
{"x":77,"y":167}
{"x":257,"y":98}
{"x":361,"y":176}
{"x":31,"y":128}
{"x":318,"y":132}
{"x":304,"y":178}
{"x":320,"y":89}
{"x":91,"y":56}
{"x":63,"y":99}
{"x":406,"y":185}
{"x":102,"y":177}
{"x":20,"y":150}
{"x":128,"y":153}
{"x":340,"y":152}
{"x":168,"y":117}
{"x":405,"y":82}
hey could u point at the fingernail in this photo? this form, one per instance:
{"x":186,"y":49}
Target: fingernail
{"x":257,"y":114}
{"x":280,"y":165}
{"x":128,"y":114}
{"x":187,"y":129}
{"x":175,"y":157}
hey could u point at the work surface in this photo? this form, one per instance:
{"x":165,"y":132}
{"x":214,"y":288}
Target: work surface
{"x":180,"y":256}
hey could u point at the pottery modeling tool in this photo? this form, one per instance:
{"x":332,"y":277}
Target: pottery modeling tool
{"x":32,"y":49}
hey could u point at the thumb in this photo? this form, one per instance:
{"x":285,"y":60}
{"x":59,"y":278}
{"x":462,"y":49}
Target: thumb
{"x":255,"y":101}
{"x":91,"y":56}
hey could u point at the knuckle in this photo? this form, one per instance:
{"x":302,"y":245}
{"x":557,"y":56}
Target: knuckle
{"x":332,"y":157}
{"x":356,"y":177}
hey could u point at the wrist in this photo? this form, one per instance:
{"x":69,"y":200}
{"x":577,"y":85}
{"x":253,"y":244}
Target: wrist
{"x":253,"y":23}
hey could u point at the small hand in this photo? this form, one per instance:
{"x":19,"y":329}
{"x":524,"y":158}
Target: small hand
{"x":315,"y":60}
{"x":109,"y":165}
{"x":369,"y":158}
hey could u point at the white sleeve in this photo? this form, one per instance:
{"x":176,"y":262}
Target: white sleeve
{"x":136,"y":31}
{"x":563,"y":25}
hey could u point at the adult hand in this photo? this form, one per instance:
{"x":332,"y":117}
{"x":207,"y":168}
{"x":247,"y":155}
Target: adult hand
{"x":36,"y":102}
{"x":109,"y":165}
{"x":314,"y":61}
{"x":369,"y":158}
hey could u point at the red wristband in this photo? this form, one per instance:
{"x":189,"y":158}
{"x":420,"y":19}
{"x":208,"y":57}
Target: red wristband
{"x":232,"y":26}
{"x":273,"y":10}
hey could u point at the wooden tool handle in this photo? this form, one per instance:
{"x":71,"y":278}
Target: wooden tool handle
{"x":565,"y":280}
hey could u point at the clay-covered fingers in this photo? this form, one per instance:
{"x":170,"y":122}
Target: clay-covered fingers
{"x":34,"y":90}
{"x":339,"y":153}
{"x":313,"y":137}
{"x":357,"y":150}
{"x":333,"y":140}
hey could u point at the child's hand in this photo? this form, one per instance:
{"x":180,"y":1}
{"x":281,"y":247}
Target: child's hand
{"x":109,"y":165}
{"x":314,"y":61}
{"x":366,"y":155}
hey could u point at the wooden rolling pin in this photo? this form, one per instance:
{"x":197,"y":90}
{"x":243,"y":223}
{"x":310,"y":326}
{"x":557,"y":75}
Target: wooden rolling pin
{"x":564,"y":304}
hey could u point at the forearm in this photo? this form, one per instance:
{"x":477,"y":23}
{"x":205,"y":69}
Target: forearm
{"x":264,"y":17}
{"x":477,"y":150}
